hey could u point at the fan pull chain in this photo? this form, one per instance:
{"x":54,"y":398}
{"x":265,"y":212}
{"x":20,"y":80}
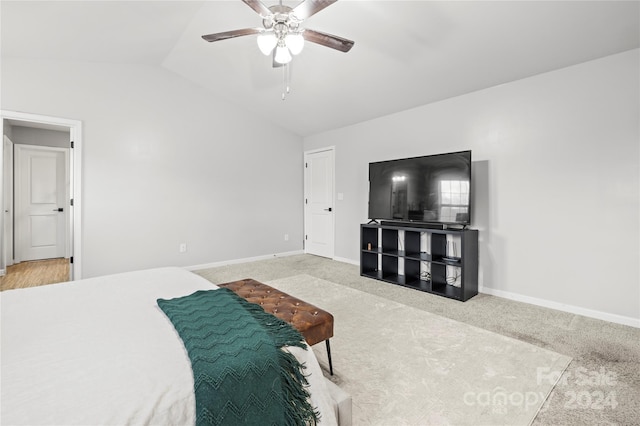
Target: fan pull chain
{"x":288,"y":77}
{"x":285,"y":81}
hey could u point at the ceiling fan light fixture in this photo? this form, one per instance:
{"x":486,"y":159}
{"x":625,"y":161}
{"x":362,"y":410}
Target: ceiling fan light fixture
{"x":267,"y":41}
{"x":283,"y":56}
{"x":295,"y":42}
{"x":282,"y":34}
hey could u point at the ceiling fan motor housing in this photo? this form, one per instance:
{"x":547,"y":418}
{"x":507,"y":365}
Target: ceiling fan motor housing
{"x":282,"y":20}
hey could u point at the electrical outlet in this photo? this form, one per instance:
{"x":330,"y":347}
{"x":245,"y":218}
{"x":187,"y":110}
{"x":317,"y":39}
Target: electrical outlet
{"x":286,"y":237}
{"x":183,"y":248}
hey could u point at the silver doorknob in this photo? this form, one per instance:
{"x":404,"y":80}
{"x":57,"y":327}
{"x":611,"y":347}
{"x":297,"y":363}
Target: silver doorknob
{"x":59,"y":209}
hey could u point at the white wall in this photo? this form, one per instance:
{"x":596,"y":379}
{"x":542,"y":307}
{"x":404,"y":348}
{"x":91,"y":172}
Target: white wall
{"x":165,"y":163}
{"x":556,"y":181}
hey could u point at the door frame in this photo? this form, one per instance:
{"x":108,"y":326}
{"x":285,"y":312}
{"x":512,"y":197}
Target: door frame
{"x":6,"y":170}
{"x":333,"y":195}
{"x":75,"y":182}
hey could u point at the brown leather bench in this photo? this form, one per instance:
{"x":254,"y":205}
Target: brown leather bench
{"x":313,"y":323}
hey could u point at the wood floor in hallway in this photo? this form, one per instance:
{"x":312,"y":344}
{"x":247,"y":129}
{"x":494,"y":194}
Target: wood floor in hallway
{"x":35,"y":273}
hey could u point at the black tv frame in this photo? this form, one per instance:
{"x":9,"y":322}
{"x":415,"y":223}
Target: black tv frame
{"x":424,"y":223}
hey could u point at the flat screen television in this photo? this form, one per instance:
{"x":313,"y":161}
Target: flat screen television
{"x":433,"y":189}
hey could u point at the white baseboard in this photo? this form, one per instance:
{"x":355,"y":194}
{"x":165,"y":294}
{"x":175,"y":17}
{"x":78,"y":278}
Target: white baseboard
{"x":3,"y":272}
{"x":345,"y":260}
{"x":618,"y":319}
{"x":244,"y":260}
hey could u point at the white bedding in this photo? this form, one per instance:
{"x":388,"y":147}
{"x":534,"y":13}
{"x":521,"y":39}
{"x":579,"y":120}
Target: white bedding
{"x":100,"y":351}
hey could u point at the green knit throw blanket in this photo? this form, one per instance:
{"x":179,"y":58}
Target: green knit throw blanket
{"x":242,"y":374}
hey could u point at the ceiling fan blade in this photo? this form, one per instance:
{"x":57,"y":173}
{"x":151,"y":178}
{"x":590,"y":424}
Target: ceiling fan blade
{"x":328,"y":40}
{"x":310,"y":7}
{"x":231,"y":34}
{"x":258,"y":6}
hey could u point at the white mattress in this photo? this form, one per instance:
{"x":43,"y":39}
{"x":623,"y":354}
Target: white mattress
{"x":100,"y":351}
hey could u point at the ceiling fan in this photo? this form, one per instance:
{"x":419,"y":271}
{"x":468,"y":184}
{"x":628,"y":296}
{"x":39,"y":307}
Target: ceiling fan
{"x":282,"y":34}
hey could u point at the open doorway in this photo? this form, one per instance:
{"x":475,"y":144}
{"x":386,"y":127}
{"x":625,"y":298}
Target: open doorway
{"x":40,"y":221}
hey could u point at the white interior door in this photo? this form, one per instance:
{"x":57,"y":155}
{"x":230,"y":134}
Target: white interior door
{"x":319,"y":202}
{"x":42,"y":176}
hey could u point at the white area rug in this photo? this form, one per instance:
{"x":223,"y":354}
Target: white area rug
{"x":405,"y":366}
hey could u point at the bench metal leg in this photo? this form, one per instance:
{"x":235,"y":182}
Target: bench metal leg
{"x":329,"y":356}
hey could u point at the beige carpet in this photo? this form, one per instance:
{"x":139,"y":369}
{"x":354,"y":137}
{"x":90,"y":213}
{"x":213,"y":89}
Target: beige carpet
{"x":405,"y":366}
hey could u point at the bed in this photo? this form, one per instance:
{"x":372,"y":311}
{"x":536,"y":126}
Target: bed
{"x":100,"y":351}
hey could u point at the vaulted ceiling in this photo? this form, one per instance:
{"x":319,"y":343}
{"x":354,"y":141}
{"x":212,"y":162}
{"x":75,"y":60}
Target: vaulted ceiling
{"x":406,"y":53}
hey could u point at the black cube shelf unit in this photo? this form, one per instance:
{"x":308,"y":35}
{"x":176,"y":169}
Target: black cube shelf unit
{"x":438,"y":261}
